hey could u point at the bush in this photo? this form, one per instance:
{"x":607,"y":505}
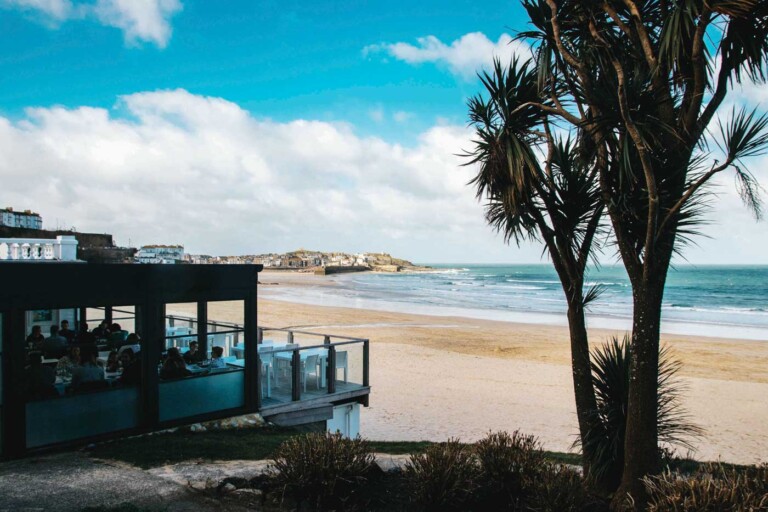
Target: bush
{"x":711,"y":489}
{"x":516,"y":476}
{"x":509,"y":466}
{"x":558,"y":488}
{"x":325,"y":471}
{"x":444,"y":477}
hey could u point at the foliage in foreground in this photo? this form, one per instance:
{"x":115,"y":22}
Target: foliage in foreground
{"x":444,"y":477}
{"x":610,"y":377}
{"x":713,"y":488}
{"x":500,"y":472}
{"x":326,"y":471}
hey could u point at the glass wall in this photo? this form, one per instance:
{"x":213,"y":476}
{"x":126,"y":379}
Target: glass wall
{"x":80,"y":383}
{"x":202,"y":367}
{"x":1,"y":385}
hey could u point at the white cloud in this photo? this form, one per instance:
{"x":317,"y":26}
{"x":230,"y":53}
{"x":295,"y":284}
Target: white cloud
{"x":140,"y":20}
{"x":173,"y":167}
{"x":177,"y":167}
{"x":376,"y":114}
{"x":402,"y":117}
{"x":56,"y":10}
{"x":464,"y":56}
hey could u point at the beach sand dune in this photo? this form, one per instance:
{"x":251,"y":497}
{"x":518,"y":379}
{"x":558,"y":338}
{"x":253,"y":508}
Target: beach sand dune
{"x":438,"y":377}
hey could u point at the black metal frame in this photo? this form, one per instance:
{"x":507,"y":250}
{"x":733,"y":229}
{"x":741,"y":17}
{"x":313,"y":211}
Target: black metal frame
{"x":29,"y":286}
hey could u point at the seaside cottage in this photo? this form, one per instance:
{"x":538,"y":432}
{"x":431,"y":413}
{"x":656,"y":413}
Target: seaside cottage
{"x":151,"y":314}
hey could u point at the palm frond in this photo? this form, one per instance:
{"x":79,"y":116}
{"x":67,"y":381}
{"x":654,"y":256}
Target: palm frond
{"x":611,"y":376}
{"x":749,"y":191}
{"x":744,"y":135}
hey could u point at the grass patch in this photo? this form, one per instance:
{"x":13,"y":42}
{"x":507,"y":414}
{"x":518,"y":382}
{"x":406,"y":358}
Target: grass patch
{"x":170,"y":448}
{"x":240,"y":444}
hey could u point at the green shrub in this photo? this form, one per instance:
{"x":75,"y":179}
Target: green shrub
{"x":558,"y":488}
{"x":711,"y":489}
{"x":325,"y":471}
{"x":509,"y":465}
{"x":444,"y":477}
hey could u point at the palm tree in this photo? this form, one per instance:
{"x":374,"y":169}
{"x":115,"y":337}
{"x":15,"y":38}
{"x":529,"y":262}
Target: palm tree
{"x":640,"y":83}
{"x":555,"y":200}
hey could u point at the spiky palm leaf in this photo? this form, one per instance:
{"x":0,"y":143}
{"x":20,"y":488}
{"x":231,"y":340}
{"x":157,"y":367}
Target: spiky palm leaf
{"x":610,"y":374}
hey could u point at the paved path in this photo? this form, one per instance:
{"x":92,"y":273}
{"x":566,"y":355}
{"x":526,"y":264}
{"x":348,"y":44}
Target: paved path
{"x":72,"y":481}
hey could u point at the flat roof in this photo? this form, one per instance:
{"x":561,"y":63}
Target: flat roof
{"x":27,"y":285}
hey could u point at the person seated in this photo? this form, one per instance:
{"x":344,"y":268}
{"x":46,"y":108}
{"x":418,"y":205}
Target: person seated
{"x":117,"y":336}
{"x":216,"y":360}
{"x":113,"y":363}
{"x":102,"y":331}
{"x":174,"y":366}
{"x":84,"y":336}
{"x":66,"y":332}
{"x":89,"y":375}
{"x":193,"y":356}
{"x":54,"y":346}
{"x":131,"y":375}
{"x":68,"y":362}
{"x":132,"y":340}
{"x":35,"y":339}
{"x":38,"y":379}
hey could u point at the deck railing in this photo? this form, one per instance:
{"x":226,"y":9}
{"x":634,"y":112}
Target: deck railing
{"x":62,"y":248}
{"x":298,"y":343}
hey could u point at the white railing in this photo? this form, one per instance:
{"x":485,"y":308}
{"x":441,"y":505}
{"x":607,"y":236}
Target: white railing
{"x":62,"y":248}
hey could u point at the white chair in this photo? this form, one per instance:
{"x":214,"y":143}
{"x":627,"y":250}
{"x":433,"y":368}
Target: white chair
{"x":341,"y":362}
{"x":309,"y":367}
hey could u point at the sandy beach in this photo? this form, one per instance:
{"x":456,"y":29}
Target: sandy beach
{"x":438,"y":377}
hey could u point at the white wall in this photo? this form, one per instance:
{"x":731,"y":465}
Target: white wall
{"x":346,"y":419}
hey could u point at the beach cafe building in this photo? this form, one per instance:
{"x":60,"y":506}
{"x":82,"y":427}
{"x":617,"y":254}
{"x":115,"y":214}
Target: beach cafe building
{"x":288,"y":376}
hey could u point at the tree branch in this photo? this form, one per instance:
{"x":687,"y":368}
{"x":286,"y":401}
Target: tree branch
{"x":645,"y":160}
{"x":699,"y":86}
{"x":692,"y":190}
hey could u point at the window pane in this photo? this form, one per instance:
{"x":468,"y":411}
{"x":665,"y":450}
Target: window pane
{"x":197,"y":380}
{"x":74,"y":385}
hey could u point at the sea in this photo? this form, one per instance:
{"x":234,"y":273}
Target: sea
{"x":720,"y":301}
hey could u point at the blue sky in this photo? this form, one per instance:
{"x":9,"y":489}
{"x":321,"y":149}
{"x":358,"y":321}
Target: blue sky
{"x":239,"y":127}
{"x":283,"y":60}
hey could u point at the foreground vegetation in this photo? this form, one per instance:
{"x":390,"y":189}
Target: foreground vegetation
{"x":504,"y":472}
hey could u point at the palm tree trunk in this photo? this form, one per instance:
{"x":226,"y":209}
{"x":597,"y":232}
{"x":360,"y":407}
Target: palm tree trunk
{"x":641,"y":456}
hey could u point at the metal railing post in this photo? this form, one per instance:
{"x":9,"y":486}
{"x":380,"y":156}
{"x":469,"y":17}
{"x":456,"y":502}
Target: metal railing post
{"x":290,"y":337}
{"x":330,"y":369}
{"x":296,"y":376}
{"x":366,"y":363}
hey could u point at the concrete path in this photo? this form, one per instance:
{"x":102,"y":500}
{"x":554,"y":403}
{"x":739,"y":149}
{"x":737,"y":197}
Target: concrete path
{"x":73,"y":481}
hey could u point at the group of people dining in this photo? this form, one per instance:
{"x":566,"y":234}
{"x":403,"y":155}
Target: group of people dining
{"x":77,"y":363}
{"x":79,"y":368}
{"x":176,"y":364}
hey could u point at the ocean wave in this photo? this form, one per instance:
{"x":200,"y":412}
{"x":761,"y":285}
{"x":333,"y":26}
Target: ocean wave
{"x":532,"y":281}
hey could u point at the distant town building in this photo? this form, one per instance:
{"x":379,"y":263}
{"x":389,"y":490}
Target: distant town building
{"x":160,"y":254}
{"x":26,"y":219}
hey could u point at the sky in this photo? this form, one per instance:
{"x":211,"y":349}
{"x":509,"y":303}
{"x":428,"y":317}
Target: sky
{"x":244,"y":127}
